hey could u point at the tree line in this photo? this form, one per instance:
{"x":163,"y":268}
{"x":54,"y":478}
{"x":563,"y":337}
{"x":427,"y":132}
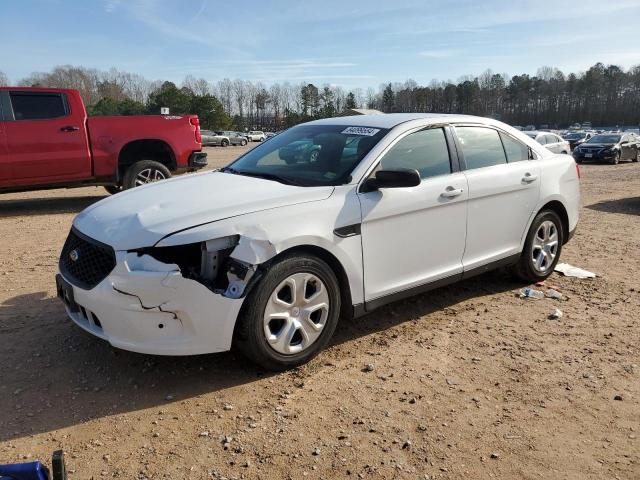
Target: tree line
{"x":605,"y":95}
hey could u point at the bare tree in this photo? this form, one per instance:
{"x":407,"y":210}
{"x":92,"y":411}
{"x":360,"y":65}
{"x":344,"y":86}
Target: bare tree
{"x":4,"y":80}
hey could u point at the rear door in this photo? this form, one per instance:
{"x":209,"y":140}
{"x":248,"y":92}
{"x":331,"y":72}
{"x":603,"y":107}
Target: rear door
{"x":5,"y":168}
{"x":504,"y":187}
{"x":46,"y":138}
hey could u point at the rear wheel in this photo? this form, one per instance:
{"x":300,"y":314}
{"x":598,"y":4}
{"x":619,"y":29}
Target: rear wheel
{"x":224,"y":143}
{"x":636,"y":157}
{"x":291,"y":314}
{"x":243,"y":143}
{"x":143,"y":172}
{"x":542,"y":248}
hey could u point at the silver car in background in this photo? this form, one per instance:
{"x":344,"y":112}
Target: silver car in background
{"x":235,"y":138}
{"x":551,"y":141}
{"x":210,"y":138}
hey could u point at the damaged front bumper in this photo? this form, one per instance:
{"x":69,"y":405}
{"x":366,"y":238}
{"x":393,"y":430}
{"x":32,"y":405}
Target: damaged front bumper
{"x":148,"y":306}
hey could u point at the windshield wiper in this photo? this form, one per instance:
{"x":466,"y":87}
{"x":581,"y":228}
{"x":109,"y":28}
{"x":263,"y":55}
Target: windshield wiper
{"x":264,"y":175}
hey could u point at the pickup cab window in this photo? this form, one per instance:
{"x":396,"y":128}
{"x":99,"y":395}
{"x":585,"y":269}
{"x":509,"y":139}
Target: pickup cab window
{"x":37,"y":106}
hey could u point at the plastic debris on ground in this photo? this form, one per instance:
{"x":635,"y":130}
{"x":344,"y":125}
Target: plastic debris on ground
{"x":531,"y":293}
{"x":571,"y":271}
{"x":557,"y":313}
{"x":551,"y":293}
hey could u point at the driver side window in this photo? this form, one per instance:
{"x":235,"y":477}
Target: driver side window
{"x":425,"y":151}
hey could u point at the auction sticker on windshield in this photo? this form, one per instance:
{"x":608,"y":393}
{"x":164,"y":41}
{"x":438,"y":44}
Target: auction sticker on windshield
{"x":365,"y":131}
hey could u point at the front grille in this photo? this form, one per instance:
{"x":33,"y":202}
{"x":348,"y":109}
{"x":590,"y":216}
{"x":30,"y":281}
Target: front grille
{"x":85,"y":262}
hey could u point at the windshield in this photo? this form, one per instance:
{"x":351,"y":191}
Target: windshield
{"x":605,"y":139}
{"x":309,"y":155}
{"x":574,"y":136}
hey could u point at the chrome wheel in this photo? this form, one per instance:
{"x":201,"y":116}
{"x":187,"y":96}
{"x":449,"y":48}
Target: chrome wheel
{"x":149,"y":175}
{"x":545,"y":246}
{"x":296,"y":313}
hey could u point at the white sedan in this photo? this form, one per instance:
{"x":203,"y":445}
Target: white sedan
{"x":267,"y":253}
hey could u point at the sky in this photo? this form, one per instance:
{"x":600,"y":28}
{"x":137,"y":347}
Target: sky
{"x":351,"y":43}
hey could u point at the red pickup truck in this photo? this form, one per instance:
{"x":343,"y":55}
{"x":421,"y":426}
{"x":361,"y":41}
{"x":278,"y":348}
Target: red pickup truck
{"x":47,"y":141}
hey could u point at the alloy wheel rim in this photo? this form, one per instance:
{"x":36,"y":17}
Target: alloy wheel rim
{"x":296,"y":313}
{"x":545,"y":246}
{"x":149,"y":175}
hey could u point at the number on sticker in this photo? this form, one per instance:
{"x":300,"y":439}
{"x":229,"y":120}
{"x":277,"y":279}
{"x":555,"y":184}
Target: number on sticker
{"x":365,"y":131}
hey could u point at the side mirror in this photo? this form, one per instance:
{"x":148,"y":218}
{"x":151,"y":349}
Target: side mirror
{"x":400,"y":178}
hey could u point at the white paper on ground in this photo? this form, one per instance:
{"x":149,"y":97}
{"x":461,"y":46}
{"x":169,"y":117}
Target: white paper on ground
{"x":571,"y":271}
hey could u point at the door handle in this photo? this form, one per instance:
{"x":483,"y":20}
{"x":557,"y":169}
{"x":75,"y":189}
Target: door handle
{"x":69,"y":128}
{"x":451,"y":192}
{"x":528,"y":178}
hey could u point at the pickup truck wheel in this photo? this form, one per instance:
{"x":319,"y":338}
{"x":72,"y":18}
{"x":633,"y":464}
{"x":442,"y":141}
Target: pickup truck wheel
{"x":291,"y":314}
{"x":113,"y":189}
{"x":542,"y":248}
{"x":243,"y":143}
{"x":224,"y":143}
{"x":143,"y":172}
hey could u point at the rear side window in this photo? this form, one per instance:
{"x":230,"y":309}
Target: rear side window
{"x":551,"y":138}
{"x":425,"y":151}
{"x":37,"y":106}
{"x":481,"y":147}
{"x":515,"y":150}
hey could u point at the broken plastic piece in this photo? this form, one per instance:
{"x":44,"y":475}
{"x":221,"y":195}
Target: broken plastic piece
{"x":571,"y":271}
{"x":557,"y":313}
{"x":238,"y":273}
{"x":551,"y":293}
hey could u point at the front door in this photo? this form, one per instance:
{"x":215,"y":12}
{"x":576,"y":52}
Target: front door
{"x":47,"y":142}
{"x":413,"y":236}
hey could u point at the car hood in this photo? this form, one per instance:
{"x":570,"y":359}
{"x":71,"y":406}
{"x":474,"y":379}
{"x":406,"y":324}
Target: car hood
{"x":144,"y":215}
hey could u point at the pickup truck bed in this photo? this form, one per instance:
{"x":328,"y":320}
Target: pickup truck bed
{"x":47,"y":141}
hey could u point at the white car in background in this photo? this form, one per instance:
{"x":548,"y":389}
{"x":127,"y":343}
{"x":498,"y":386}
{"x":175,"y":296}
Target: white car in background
{"x":256,"y":136}
{"x":267,"y":253}
{"x":551,"y":141}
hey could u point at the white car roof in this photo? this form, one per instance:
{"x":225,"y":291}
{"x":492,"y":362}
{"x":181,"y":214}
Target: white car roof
{"x":390,"y":120}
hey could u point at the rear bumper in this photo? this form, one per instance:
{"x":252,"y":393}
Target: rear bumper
{"x":198,"y":160}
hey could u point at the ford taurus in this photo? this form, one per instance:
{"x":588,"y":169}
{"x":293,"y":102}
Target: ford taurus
{"x":269,"y":252}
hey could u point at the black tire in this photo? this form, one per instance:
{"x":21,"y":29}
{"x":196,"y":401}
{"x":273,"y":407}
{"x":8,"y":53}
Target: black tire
{"x":113,"y":189}
{"x":243,"y":143}
{"x":157,"y":172}
{"x":313,"y":155}
{"x":616,"y":159}
{"x":224,"y":143}
{"x":525,"y":269}
{"x":636,"y":157}
{"x":250,"y":337}
{"x":579,"y":161}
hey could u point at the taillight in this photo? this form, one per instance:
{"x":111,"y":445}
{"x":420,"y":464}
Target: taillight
{"x":195,"y":121}
{"x":578,"y":170}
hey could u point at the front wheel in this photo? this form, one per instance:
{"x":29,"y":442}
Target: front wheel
{"x":291,"y":314}
{"x":224,"y":143}
{"x":143,"y":172}
{"x":113,"y":189}
{"x":616,"y":159}
{"x":636,"y":157}
{"x":542,"y":248}
{"x":243,"y":143}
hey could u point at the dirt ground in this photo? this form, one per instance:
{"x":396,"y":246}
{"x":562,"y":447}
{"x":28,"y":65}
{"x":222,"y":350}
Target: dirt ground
{"x":468,"y":381}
